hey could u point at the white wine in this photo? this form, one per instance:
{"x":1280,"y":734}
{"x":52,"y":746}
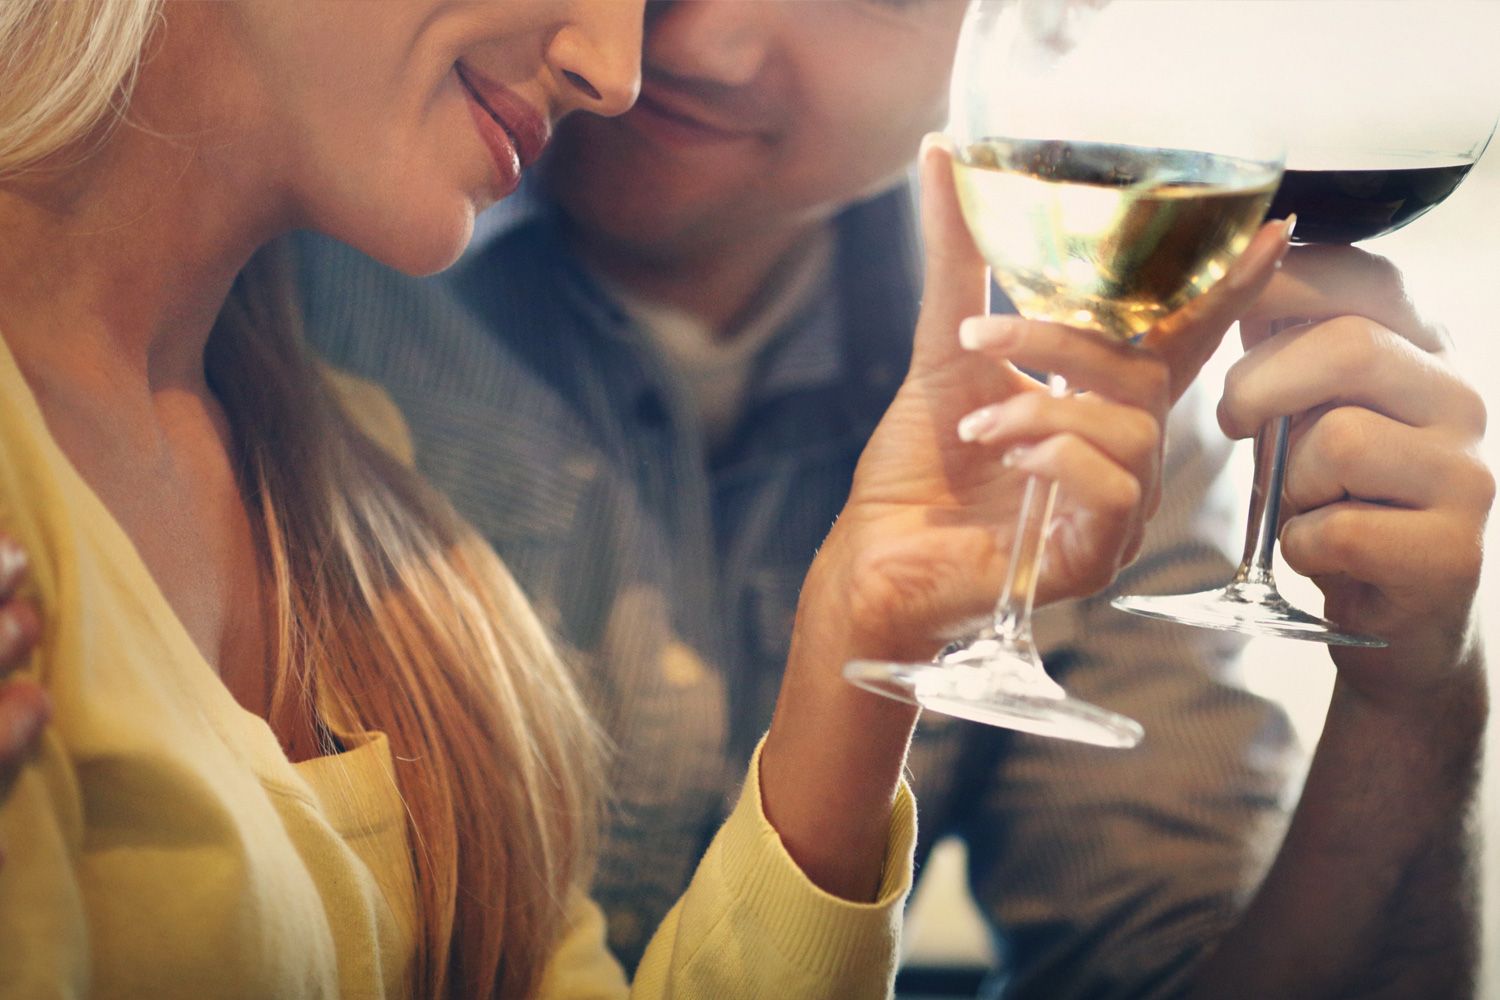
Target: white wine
{"x":1104,"y":236}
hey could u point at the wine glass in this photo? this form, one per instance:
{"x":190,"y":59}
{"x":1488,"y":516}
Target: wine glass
{"x":1380,"y":130}
{"x":1105,"y":191}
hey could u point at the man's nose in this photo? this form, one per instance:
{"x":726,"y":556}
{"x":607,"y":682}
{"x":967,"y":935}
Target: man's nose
{"x":597,"y":56}
{"x":719,"y":41}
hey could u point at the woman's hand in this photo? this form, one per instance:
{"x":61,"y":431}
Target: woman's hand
{"x":24,"y":708}
{"x":1386,"y":496}
{"x":935,"y":501}
{"x":921,"y":548}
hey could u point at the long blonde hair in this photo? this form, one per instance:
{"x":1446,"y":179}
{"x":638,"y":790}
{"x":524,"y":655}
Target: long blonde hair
{"x":388,"y":612}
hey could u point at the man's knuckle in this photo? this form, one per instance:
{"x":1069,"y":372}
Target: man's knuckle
{"x":1345,"y":437}
{"x":1341,"y":537}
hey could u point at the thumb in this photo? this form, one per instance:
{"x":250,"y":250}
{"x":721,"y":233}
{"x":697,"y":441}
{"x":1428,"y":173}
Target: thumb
{"x":957,"y":280}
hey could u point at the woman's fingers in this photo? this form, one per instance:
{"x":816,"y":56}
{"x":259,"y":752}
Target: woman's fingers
{"x":19,"y":627}
{"x":1129,"y":437}
{"x":13,"y":565}
{"x":1105,"y":458}
{"x":1090,"y":361}
{"x":19,"y":631}
{"x":1098,"y":519}
{"x":24,"y":710}
{"x":1346,"y":361}
{"x":24,"y":706}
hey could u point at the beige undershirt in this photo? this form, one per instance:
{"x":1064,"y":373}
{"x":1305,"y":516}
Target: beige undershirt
{"x":713,"y":370}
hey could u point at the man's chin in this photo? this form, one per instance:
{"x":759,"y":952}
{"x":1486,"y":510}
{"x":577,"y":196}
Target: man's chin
{"x":643,"y":231}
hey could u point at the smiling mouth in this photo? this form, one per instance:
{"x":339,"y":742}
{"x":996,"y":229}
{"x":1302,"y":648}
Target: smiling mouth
{"x":676,"y":114}
{"x":485,"y":105}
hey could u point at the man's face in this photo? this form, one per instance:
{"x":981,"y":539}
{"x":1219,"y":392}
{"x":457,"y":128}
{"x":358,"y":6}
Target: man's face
{"x":755,"y":115}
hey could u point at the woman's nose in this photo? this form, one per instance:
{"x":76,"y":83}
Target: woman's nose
{"x":597,"y":56}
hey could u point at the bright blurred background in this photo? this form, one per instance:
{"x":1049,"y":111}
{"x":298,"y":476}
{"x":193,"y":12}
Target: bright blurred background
{"x":1451,"y":259}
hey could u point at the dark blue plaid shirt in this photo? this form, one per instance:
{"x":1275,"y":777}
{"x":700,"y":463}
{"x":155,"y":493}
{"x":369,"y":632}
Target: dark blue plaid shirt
{"x":671,"y":575}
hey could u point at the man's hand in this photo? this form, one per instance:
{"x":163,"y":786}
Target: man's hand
{"x":1386,"y":496}
{"x":24,"y":708}
{"x":1372,"y":894}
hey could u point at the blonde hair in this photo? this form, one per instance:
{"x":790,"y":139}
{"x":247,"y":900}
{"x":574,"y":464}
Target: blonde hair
{"x":388,"y":612}
{"x":68,"y":68}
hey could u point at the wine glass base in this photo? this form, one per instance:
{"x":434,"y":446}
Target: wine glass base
{"x":1248,"y":608}
{"x":983,"y":694}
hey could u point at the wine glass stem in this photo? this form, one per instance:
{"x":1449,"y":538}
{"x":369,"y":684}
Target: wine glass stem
{"x":1265,"y":494}
{"x":1013,"y":611}
{"x":1265,"y":503}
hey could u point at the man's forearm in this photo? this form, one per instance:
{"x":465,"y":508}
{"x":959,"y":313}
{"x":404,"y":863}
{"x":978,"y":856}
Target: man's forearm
{"x":1373,"y":893}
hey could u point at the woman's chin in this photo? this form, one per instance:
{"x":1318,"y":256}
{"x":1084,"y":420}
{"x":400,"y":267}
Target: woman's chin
{"x":423,"y":246}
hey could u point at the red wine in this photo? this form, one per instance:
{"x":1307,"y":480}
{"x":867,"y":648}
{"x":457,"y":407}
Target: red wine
{"x":1346,"y":206}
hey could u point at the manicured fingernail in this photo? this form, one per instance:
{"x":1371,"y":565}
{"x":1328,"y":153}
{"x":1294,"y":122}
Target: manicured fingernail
{"x":978,"y":424}
{"x":13,"y":563}
{"x":934,"y":139}
{"x":981,"y":332}
{"x":1015,"y":456}
{"x":1289,"y":227}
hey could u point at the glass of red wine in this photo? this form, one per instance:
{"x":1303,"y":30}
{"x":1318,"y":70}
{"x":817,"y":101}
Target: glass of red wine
{"x":1381,"y":134}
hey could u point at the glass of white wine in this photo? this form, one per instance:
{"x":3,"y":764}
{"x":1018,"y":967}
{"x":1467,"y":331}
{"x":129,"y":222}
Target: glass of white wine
{"x":1106,"y":189}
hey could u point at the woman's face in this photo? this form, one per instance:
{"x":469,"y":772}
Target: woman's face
{"x":389,"y":124}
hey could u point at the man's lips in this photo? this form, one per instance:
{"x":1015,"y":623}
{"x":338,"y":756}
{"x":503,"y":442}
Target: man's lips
{"x":527,"y":130}
{"x":661,"y":111}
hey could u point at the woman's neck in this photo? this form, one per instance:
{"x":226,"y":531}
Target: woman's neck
{"x":119,"y":255}
{"x":120,"y":268}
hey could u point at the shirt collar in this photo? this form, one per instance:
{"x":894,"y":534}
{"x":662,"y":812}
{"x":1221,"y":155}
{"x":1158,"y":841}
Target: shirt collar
{"x":872,"y":288}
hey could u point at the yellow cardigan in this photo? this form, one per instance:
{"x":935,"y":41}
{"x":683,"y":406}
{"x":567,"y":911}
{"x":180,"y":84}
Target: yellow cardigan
{"x":161,"y":845}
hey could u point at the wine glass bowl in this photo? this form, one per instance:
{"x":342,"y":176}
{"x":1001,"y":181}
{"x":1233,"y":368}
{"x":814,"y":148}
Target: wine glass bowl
{"x":1105,"y":191}
{"x":1343,"y":205}
{"x":1108,"y":236}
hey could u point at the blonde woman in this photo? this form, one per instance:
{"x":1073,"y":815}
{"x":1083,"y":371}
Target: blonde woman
{"x":306,"y":737}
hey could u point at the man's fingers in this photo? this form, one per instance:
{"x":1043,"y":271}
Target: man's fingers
{"x":1319,"y":283}
{"x":957,"y":279}
{"x":1188,"y":338}
{"x":1354,"y":452}
{"x":1346,"y":361}
{"x":1387,"y":547}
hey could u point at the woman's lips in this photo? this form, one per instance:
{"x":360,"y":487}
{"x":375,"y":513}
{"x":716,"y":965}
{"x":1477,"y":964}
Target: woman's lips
{"x":511,"y":128}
